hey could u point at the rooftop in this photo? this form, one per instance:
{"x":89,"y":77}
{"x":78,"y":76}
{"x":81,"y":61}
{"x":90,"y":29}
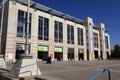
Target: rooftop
{"x":51,"y":11}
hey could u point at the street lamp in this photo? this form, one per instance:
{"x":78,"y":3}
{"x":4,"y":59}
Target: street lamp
{"x":27,"y":33}
{"x":3,"y":2}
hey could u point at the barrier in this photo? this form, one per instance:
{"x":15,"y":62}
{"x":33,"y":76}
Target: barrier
{"x":1,"y":64}
{"x":100,"y":73}
{"x":13,"y":71}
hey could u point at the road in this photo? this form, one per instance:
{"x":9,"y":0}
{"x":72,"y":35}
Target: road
{"x":79,"y":70}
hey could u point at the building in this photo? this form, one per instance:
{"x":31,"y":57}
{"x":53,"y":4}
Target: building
{"x":52,"y":33}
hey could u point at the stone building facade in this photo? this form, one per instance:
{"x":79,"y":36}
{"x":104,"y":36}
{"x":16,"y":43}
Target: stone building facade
{"x":52,"y":33}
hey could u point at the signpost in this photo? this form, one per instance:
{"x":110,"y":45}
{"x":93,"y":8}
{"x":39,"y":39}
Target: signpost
{"x":1,"y":56}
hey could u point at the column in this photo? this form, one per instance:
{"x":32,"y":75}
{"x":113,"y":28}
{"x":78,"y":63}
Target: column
{"x":51,"y":36}
{"x":84,"y":43}
{"x":65,"y":48}
{"x":90,"y":37}
{"x":103,"y":46}
{"x":75,"y":43}
{"x":76,"y":54}
{"x":34,"y":33}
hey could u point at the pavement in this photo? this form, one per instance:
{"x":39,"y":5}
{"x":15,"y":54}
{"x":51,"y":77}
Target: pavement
{"x":72,"y":70}
{"x":79,"y":70}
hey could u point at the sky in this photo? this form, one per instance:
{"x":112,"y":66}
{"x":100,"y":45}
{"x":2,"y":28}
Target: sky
{"x":102,"y":11}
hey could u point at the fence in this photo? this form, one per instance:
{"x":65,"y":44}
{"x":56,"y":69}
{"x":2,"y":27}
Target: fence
{"x":100,"y":73}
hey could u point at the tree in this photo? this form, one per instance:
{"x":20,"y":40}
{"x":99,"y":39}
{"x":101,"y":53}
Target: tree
{"x":116,"y":51}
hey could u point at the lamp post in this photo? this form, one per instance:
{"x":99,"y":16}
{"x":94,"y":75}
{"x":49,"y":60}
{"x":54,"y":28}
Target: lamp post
{"x":27,"y":33}
{"x":1,"y":26}
{"x":27,"y":59}
{"x":3,"y":2}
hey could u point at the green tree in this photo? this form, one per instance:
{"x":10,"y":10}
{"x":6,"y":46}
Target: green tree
{"x":116,"y":52}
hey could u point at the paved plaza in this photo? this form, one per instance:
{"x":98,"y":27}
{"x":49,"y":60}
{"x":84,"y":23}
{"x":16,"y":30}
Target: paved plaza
{"x":79,"y":70}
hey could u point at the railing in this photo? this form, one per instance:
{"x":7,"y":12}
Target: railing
{"x":100,"y":73}
{"x":1,"y":66}
{"x":4,"y":65}
{"x":13,"y":71}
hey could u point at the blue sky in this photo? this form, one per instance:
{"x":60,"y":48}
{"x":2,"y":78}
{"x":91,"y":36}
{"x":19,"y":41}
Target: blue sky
{"x":105,"y":11}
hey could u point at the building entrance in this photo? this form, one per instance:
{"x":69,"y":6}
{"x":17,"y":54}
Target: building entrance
{"x":96,"y":54}
{"x":58,"y":56}
{"x":42,"y":55}
{"x":70,"y":53}
{"x":108,"y":56}
{"x":43,"y":52}
{"x":58,"y":52}
{"x":20,"y":49}
{"x":80,"y":54}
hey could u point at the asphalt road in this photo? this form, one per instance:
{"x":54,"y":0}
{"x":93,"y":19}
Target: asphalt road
{"x":79,"y":70}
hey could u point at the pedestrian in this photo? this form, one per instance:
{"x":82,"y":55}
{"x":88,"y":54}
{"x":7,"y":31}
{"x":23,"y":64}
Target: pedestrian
{"x":48,"y":60}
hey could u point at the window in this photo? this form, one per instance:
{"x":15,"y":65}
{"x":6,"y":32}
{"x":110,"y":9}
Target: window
{"x":43,"y":28}
{"x":58,"y":31}
{"x":22,"y":24}
{"x":0,"y":20}
{"x":95,"y":40}
{"x":20,"y":49}
{"x":80,"y":36}
{"x":70,"y":34}
{"x":106,"y":41}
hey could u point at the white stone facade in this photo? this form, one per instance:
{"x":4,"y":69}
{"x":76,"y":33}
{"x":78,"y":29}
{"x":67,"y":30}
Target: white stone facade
{"x":9,"y":36}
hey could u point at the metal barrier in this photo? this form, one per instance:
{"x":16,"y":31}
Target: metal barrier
{"x":6,"y":65}
{"x":100,"y":73}
{"x":1,"y":66}
{"x":26,"y":72}
{"x":12,"y":71}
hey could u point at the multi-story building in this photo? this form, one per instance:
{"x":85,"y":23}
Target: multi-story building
{"x":52,"y":33}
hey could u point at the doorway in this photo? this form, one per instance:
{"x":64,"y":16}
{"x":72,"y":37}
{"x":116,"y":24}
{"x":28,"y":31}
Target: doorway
{"x":42,"y":55}
{"x":59,"y":56}
{"x":108,"y":56}
{"x":58,"y":52}
{"x":20,"y":49}
{"x":70,"y":53}
{"x":96,"y":54}
{"x":81,"y":56}
{"x":42,"y":52}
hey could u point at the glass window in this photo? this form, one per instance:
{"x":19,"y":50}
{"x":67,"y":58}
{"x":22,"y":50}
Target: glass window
{"x":20,"y":49}
{"x":70,"y":34}
{"x":22,"y":24}
{"x":46,"y":28}
{"x":80,"y":36}
{"x":58,"y":31}
{"x":0,"y":19}
{"x":81,"y":31}
{"x":43,"y":28}
{"x":95,"y":40}
{"x":106,"y":41}
{"x":40,"y":28}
